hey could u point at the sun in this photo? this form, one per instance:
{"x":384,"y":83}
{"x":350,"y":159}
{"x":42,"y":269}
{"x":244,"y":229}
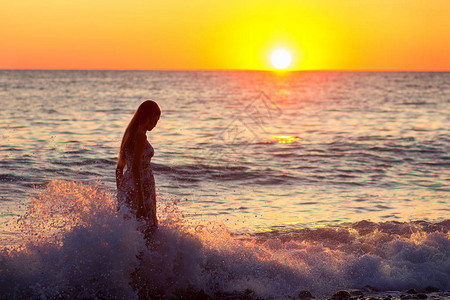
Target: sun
{"x":281,"y":59}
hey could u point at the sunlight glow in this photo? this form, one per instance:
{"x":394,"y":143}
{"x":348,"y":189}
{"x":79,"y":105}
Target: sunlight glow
{"x":281,"y":59}
{"x":284,"y":139}
{"x":224,"y":35}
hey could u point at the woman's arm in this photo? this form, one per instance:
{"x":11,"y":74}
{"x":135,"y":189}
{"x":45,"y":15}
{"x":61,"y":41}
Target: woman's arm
{"x":136,"y":173}
{"x":119,"y":171}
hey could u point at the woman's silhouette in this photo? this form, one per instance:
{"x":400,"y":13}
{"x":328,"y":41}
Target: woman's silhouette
{"x":136,"y":187}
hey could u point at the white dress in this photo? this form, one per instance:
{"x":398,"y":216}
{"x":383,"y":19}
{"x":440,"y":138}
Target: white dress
{"x":126,"y":194}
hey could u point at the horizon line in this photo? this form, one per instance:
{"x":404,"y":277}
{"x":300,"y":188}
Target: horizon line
{"x":232,"y":70}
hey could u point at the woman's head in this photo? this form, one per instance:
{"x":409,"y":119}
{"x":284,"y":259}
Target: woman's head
{"x":147,"y":115}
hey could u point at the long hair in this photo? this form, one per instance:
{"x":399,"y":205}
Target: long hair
{"x":147,"y":109}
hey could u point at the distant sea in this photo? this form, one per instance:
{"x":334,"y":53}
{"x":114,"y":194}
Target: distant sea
{"x":268,"y":183}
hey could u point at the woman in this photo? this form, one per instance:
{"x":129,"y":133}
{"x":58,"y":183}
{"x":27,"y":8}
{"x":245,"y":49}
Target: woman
{"x":136,"y":187}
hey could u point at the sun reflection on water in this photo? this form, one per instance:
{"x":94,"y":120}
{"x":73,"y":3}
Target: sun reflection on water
{"x":284,"y":139}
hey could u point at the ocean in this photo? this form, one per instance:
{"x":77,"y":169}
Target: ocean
{"x":268,"y":184}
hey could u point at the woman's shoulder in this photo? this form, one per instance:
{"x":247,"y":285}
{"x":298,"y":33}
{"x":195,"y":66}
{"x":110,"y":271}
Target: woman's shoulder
{"x":137,"y":145}
{"x":141,"y":139}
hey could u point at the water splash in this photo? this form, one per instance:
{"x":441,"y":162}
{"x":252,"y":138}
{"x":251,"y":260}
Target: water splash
{"x":64,"y":206}
{"x":76,"y":245}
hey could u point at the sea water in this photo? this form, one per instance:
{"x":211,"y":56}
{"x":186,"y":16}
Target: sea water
{"x":267,"y":183}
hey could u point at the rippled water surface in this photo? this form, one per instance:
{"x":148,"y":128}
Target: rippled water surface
{"x":256,"y":150}
{"x":267,"y":184}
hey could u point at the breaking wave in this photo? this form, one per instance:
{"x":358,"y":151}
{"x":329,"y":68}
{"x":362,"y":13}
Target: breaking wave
{"x":74,"y":244}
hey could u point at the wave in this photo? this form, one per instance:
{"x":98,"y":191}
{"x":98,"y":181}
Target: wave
{"x":74,"y":244}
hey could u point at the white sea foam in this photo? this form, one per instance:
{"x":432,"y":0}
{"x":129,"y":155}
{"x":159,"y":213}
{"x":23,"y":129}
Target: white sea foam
{"x":76,"y":245}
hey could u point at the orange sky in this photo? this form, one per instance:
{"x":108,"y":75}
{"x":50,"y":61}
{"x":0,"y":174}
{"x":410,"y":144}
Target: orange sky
{"x":232,"y":34}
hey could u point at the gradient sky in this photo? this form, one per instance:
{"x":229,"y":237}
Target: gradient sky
{"x":232,"y":34}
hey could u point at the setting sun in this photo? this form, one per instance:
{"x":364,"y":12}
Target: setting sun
{"x":281,"y":59}
{"x":225,"y":35}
